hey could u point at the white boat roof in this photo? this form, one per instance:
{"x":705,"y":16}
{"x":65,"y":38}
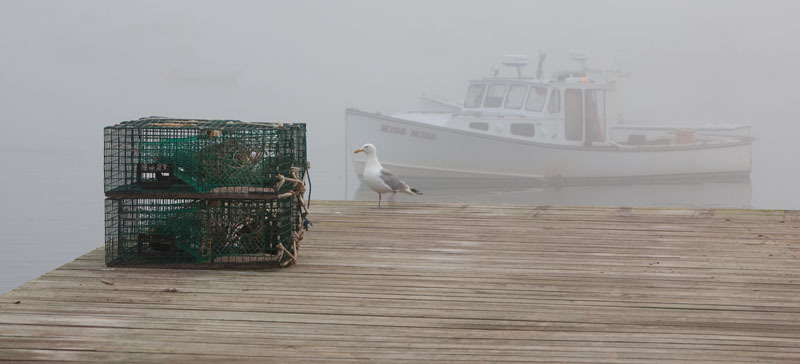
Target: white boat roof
{"x":580,"y":81}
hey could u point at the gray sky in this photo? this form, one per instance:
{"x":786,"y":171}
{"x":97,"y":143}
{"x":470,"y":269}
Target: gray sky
{"x":71,"y":67}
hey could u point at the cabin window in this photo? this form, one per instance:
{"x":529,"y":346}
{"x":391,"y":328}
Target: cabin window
{"x":536,"y":99}
{"x":494,"y":97}
{"x":573,"y":115}
{"x":516,"y":96}
{"x":554,"y":107}
{"x":523,"y":129}
{"x":479,"y":125}
{"x":474,"y":95}
{"x":595,"y":115}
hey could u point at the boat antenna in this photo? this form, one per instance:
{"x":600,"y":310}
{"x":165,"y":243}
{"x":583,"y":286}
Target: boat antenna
{"x":540,"y":68}
{"x":517,"y":61}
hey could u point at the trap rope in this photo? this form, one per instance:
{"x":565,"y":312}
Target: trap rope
{"x":298,"y":192}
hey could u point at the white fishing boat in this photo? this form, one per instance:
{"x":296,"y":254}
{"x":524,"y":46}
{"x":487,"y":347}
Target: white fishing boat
{"x":536,"y":127}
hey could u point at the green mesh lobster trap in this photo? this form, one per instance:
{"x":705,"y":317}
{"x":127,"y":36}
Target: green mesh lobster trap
{"x":186,"y":156}
{"x":183,"y":192}
{"x":187,"y":232}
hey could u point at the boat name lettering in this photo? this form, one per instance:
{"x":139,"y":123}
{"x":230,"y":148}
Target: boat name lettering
{"x":403,"y":131}
{"x":393,"y":129}
{"x":423,"y":135}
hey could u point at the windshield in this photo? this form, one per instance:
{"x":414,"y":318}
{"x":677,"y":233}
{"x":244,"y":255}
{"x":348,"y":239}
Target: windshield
{"x":474,"y":95}
{"x":536,"y":99}
{"x":494,"y":98}
{"x":516,"y":96}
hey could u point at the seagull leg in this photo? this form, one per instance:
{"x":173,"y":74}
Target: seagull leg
{"x":379,"y":200}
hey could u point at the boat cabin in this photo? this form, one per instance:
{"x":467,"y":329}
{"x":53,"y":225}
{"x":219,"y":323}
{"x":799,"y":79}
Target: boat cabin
{"x":570,"y":110}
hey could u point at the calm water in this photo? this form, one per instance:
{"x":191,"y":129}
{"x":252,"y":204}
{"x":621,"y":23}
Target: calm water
{"x":52,"y":210}
{"x":735,"y":192}
{"x":53,"y":201}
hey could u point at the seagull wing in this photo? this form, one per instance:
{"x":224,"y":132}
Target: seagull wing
{"x":391,"y":180}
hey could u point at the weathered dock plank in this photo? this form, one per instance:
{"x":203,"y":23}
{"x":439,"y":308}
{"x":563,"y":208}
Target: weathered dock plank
{"x":448,"y":283}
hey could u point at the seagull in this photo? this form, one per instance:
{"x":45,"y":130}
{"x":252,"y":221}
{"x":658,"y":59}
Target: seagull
{"x":379,"y":179}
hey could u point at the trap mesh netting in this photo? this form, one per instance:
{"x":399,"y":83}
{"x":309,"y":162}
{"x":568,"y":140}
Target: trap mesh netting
{"x":202,"y":156}
{"x":191,"y":231}
{"x":210,"y":192}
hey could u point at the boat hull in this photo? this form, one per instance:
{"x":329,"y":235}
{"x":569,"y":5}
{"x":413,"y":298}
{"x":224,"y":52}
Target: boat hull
{"x":415,"y":149}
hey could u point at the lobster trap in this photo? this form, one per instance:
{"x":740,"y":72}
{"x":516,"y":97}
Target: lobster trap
{"x":183,"y":192}
{"x":211,"y":232}
{"x":183,"y":156}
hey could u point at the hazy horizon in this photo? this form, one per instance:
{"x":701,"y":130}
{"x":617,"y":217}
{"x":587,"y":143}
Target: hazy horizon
{"x":73,"y":67}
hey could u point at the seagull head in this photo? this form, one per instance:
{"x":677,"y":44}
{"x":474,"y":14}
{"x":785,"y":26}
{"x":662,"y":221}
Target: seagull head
{"x":368,"y":149}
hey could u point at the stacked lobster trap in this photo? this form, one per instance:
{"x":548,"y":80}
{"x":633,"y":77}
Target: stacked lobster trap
{"x":212,"y":192}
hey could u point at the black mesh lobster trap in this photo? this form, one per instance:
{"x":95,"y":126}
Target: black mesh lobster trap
{"x":186,"y":156}
{"x":211,"y":232}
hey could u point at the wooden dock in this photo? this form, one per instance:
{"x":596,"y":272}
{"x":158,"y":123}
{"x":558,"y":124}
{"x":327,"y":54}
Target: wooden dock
{"x":449,"y":283}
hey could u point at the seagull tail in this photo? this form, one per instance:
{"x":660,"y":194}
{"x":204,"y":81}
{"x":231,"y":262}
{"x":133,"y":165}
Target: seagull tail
{"x":410,"y":191}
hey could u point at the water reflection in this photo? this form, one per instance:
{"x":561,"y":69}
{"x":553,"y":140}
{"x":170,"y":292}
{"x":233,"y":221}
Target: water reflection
{"x":708,"y":192}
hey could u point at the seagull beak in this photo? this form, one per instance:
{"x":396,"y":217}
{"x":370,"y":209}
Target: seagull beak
{"x":358,"y":150}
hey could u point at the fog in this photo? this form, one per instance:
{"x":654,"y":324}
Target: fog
{"x":70,"y":68}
